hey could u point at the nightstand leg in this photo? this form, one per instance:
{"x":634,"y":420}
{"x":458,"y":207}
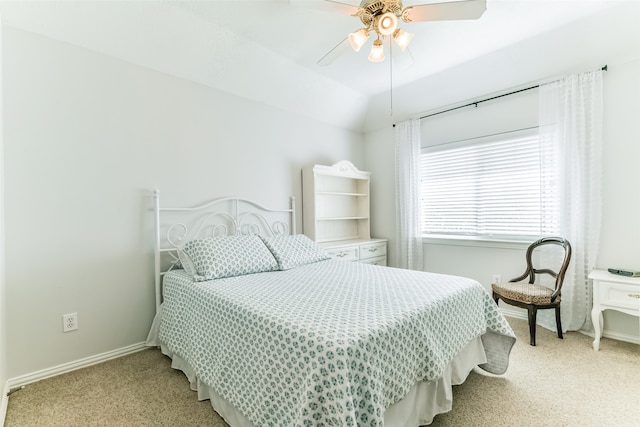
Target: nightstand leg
{"x":597,"y":320}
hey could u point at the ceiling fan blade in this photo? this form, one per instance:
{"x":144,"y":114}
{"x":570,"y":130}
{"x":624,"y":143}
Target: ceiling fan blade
{"x":465,"y":9}
{"x":327,"y":6}
{"x":334,"y":53}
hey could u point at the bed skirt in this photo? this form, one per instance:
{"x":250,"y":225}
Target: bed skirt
{"x":423,"y":402}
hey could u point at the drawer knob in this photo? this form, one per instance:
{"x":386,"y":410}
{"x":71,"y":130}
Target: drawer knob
{"x":372,"y":249}
{"x":341,"y":254}
{"x":634,"y":296}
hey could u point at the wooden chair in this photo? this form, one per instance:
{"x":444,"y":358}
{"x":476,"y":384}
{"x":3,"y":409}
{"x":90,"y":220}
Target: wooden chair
{"x":532,"y":296}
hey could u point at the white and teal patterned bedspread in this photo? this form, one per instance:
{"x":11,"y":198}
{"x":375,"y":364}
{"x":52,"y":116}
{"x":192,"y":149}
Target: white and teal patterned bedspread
{"x":331,"y":343}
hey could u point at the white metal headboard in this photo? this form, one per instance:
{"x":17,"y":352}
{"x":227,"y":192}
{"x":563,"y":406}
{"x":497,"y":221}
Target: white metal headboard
{"x":226,"y":216}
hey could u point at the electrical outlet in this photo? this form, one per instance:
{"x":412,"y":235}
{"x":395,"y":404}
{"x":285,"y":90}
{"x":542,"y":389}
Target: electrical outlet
{"x":497,"y":279}
{"x":69,"y":322}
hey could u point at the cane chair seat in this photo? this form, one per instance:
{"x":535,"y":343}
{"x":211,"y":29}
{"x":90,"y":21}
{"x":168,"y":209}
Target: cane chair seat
{"x":525,"y":293}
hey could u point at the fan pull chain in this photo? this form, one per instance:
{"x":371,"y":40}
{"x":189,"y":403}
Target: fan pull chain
{"x":390,"y":78}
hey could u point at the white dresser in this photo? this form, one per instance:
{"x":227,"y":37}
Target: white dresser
{"x":612,"y":292}
{"x":369,"y":251}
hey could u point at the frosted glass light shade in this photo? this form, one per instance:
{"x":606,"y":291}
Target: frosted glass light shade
{"x":386,"y":24}
{"x":402,"y":38}
{"x":358,"y":38}
{"x":377,"y":52}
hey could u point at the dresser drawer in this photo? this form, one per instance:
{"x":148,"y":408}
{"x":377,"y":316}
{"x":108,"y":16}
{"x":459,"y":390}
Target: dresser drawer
{"x":373,"y":250}
{"x":620,"y":295}
{"x":345,"y":253}
{"x":381,"y":260}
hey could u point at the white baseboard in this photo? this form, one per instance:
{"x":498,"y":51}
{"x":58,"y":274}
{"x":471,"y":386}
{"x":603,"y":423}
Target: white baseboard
{"x":23,"y":380}
{"x":522,"y":314}
{"x":514,"y":312}
{"x":615,"y":336}
{"x":5,"y":402}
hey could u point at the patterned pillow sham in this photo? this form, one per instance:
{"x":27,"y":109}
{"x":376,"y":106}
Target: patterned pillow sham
{"x":295,"y":250}
{"x":218,"y":257}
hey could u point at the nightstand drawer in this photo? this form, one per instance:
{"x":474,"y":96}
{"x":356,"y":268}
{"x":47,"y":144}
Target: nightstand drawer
{"x":345,"y":253}
{"x":373,"y":250}
{"x":620,"y":295}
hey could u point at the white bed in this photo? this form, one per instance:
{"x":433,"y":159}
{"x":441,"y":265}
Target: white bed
{"x":304,"y":340}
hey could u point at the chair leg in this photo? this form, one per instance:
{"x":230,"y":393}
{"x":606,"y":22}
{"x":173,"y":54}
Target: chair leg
{"x":533,"y":311}
{"x":558,"y":322}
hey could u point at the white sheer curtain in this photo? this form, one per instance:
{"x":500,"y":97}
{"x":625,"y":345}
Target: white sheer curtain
{"x":571,"y":119}
{"x":408,"y":235}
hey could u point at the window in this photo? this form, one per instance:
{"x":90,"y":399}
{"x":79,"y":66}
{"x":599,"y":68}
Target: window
{"x":500,"y":187}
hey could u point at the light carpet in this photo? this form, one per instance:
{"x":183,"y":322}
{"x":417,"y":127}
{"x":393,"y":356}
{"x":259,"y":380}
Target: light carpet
{"x":557,"y":383}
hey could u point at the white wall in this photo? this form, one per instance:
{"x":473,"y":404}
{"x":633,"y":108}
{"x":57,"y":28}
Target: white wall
{"x":3,"y":347}
{"x":86,"y":139}
{"x":620,"y":241}
{"x":620,"y":237}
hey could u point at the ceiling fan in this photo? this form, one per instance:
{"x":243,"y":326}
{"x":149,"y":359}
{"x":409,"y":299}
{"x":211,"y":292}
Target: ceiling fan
{"x":381,"y":17}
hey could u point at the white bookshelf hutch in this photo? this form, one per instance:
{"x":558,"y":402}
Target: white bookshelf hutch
{"x":336,"y":212}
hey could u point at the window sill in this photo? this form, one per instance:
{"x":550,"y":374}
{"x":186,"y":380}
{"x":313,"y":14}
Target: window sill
{"x":477,"y":242}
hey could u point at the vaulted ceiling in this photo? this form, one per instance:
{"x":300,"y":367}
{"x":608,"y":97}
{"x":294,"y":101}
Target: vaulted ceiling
{"x":268,"y":50}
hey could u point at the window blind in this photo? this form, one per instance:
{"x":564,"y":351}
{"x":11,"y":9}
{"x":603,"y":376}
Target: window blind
{"x":496,"y":187}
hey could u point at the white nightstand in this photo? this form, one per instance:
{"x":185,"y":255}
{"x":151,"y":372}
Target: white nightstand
{"x":612,"y":292}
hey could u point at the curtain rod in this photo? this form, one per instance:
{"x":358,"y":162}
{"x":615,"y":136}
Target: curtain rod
{"x":475,"y":103}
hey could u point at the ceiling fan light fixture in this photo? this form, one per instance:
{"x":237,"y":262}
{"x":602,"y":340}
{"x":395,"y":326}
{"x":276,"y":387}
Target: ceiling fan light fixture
{"x":377,"y":51}
{"x":386,"y":24}
{"x":358,"y":38}
{"x":402,"y":38}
